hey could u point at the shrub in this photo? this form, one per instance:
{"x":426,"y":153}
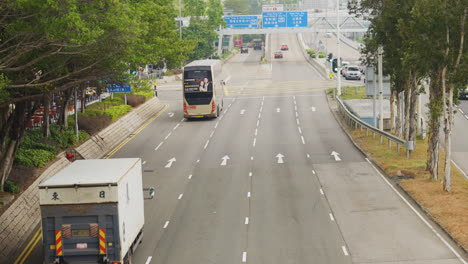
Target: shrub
{"x":147,"y":94}
{"x":11,"y":187}
{"x":311,"y":52}
{"x":33,"y":157}
{"x":322,"y":55}
{"x":63,"y":136}
{"x":118,"y":111}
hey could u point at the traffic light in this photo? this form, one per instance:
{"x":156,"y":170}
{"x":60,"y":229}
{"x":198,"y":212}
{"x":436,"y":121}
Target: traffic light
{"x":330,"y":56}
{"x":335,"y":65}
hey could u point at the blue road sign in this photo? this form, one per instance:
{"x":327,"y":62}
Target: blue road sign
{"x":297,"y":19}
{"x":118,"y":88}
{"x":241,"y":21}
{"x":284,"y":19}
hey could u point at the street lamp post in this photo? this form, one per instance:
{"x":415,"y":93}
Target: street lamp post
{"x":338,"y":78}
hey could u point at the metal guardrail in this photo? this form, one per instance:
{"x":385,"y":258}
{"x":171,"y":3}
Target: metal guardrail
{"x":355,"y":122}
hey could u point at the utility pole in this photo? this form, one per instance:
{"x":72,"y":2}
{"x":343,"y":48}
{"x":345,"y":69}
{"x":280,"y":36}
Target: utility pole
{"x":339,"y":47}
{"x":380,"y":51}
{"x":180,"y":19}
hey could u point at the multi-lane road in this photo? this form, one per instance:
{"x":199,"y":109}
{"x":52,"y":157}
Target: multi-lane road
{"x":259,"y":184}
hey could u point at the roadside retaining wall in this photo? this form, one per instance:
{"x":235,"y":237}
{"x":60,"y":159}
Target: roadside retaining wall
{"x":320,"y":68}
{"x":21,"y":218}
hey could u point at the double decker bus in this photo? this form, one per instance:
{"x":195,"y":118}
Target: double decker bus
{"x":202,"y":89}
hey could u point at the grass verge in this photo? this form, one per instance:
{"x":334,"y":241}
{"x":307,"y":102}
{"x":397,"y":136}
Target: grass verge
{"x":450,"y":210}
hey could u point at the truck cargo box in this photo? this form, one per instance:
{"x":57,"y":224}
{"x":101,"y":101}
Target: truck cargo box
{"x":92,"y":211}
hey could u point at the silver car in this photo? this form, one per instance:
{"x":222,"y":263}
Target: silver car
{"x":352,"y":73}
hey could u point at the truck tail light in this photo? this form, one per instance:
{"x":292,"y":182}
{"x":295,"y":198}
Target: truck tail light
{"x":213,"y":106}
{"x":58,"y":243}
{"x":102,"y":241}
{"x":185,"y":108}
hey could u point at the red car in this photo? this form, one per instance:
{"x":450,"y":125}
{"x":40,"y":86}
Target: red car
{"x":278,"y":55}
{"x":284,"y":47}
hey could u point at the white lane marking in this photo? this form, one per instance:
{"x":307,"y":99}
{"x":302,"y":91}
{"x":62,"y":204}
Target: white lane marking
{"x":148,"y":261}
{"x":303,"y":141}
{"x":256,"y":132}
{"x":190,"y":176}
{"x":227,"y":79}
{"x":331,"y":217}
{"x":313,"y":109}
{"x":461,"y":111}
{"x":160,"y":144}
{"x":225,"y":159}
{"x":251,"y":158}
{"x":345,"y":251}
{"x":216,"y":125}
{"x":242,"y":111}
{"x":170,"y":114}
{"x":280,"y":158}
{"x":263,"y":98}
{"x":258,"y":122}
{"x":180,"y":196}
{"x":182,"y":120}
{"x":246,"y":221}
{"x":295,"y":108}
{"x":278,"y":110}
{"x":144,"y":162}
{"x":212,"y":133}
{"x":254,"y":142}
{"x":300,"y":130}
{"x":168,"y":135}
{"x":206,"y":144}
{"x":313,"y":171}
{"x":198,"y":161}
{"x":248,"y":194}
{"x":221,"y":118}
{"x":259,"y":115}
{"x":421,"y":217}
{"x":308,"y":156}
{"x":297,"y":115}
{"x":336,"y":155}
{"x":297,"y":121}
{"x":250,"y":174}
{"x":169,"y":162}
{"x":230,"y":105}
{"x":458,"y":167}
{"x":261,"y":109}
{"x":176,"y":126}
{"x":321,"y":191}
{"x":244,"y":256}
{"x":166,"y":224}
{"x":368,"y":160}
{"x":466,"y":116}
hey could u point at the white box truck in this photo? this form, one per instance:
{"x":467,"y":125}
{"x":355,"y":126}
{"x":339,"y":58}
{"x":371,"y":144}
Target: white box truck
{"x":93,"y":212}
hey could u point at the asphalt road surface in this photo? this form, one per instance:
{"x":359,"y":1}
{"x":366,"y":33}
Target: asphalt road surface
{"x":259,"y":184}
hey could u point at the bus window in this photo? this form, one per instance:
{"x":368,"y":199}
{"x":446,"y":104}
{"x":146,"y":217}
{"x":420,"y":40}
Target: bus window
{"x":198,"y":81}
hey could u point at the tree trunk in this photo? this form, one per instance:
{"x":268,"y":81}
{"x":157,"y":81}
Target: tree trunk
{"x":83,"y":100}
{"x":413,"y":121}
{"x":392,"y":111}
{"x":448,"y":138}
{"x":63,"y":118}
{"x":46,"y":122}
{"x":16,"y":132}
{"x":399,"y":115}
{"x":435,"y":112}
{"x":407,"y":109}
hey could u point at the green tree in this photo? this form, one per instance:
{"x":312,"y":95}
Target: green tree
{"x":239,"y":7}
{"x":193,"y":8}
{"x":201,"y":33}
{"x":215,"y":13}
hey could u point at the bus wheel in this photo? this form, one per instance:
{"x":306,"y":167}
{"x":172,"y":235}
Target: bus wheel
{"x":217,"y":111}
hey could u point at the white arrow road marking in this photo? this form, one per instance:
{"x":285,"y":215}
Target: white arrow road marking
{"x":224,"y":162}
{"x":242,"y":111}
{"x":313,"y":109}
{"x":336,"y":155}
{"x":280,"y":158}
{"x":170,"y":114}
{"x":278,"y":110}
{"x":345,"y":251}
{"x":169,"y":162}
